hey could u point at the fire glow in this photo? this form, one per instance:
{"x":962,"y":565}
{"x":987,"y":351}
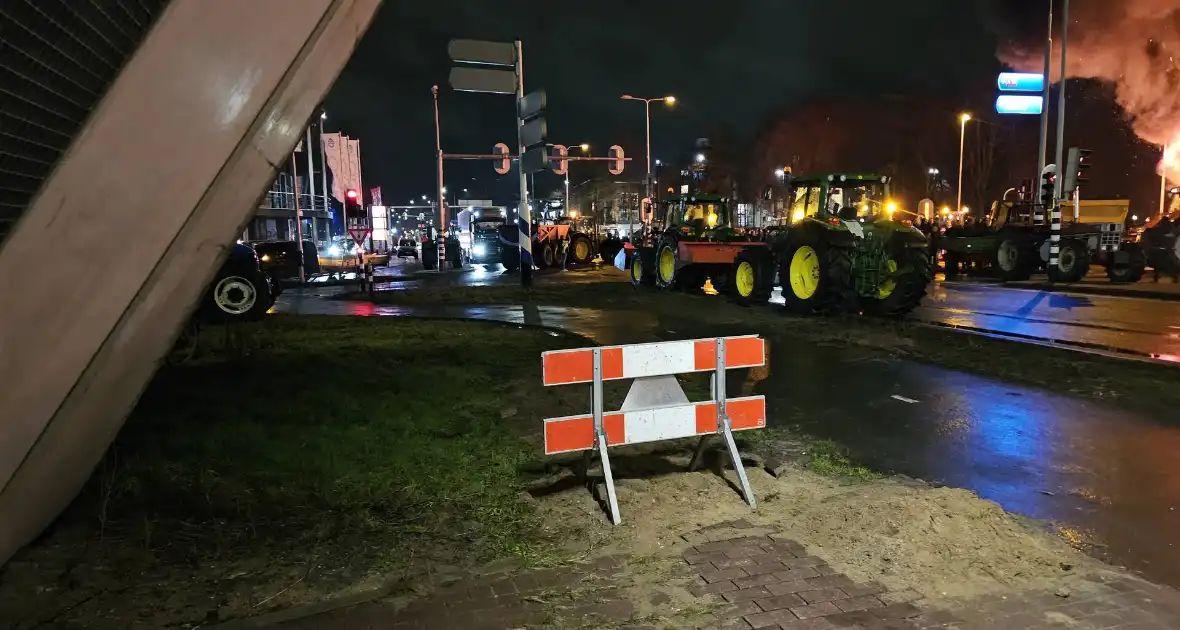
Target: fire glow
{"x":1132,"y":44}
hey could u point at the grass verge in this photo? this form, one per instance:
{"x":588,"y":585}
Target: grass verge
{"x":332,"y":450}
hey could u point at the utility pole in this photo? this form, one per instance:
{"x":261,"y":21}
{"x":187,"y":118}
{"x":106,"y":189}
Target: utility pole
{"x":1039,"y":214}
{"x":1055,"y":217}
{"x":298,"y":215}
{"x":524,"y":216}
{"x":310,"y":186}
{"x":324,"y":172}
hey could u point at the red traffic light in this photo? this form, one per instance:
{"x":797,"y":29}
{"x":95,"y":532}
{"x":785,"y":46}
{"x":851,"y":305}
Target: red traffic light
{"x":351,"y":194}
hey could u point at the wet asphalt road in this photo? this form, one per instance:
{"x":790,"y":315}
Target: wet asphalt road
{"x":1140,"y":327}
{"x":1107,"y":477}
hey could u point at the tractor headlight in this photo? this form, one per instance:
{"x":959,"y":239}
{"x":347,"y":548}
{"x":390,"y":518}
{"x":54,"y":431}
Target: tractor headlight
{"x":265,"y":258}
{"x":334,"y":250}
{"x":479,"y":250}
{"x":797,"y":215}
{"x":712,"y":219}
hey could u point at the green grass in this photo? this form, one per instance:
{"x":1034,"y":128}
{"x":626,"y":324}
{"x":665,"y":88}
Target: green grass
{"x":381,"y":439}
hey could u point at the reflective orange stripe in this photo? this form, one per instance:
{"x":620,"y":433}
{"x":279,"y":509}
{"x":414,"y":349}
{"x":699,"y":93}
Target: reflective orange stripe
{"x":564,"y":367}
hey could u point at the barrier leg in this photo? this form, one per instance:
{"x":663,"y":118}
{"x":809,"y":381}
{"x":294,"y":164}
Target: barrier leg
{"x":600,"y":438}
{"x":698,"y":455}
{"x":719,"y":394}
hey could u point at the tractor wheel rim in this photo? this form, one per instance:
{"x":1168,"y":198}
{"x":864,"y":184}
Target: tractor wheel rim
{"x":743,"y":279}
{"x":581,"y":250}
{"x":667,"y":264}
{"x":1066,"y":260}
{"x":1006,"y":256}
{"x":235,"y":295}
{"x":804,"y":272}
{"x":889,"y":284}
{"x":636,"y":269}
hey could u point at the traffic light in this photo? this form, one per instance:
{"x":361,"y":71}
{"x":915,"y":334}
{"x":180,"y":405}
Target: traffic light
{"x":352,"y":204}
{"x":1048,"y":184}
{"x":560,"y":166}
{"x":618,"y":161}
{"x":503,"y":165}
{"x":1075,"y":170}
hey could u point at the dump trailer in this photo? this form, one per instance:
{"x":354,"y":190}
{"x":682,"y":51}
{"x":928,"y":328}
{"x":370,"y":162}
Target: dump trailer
{"x":840,"y":249}
{"x":1014,"y":247}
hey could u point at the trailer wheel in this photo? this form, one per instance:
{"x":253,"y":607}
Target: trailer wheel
{"x":750,"y":280}
{"x":1073,"y":262}
{"x":545,"y":255}
{"x":1127,"y":264}
{"x":642,"y":272}
{"x":1013,"y":258}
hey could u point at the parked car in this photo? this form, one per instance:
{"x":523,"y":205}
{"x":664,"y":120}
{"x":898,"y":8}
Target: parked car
{"x":407,"y":249}
{"x":280,"y":259}
{"x":241,"y":291}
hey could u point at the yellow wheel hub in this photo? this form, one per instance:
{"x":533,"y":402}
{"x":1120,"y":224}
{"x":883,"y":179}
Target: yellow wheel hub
{"x":667,"y":264}
{"x":582,"y":250}
{"x":636,"y":268}
{"x":889,"y":284}
{"x":804,"y":272}
{"x":743,"y":279}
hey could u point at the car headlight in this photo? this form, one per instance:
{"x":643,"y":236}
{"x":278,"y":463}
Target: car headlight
{"x":479,"y":250}
{"x":334,"y":250}
{"x":266,"y":258}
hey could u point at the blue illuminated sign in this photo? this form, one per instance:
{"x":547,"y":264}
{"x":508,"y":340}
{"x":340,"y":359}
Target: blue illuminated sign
{"x":1021,"y":82}
{"x":1019,"y":104}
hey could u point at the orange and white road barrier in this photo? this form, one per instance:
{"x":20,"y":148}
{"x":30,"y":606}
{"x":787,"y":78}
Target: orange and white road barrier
{"x":656,"y":407}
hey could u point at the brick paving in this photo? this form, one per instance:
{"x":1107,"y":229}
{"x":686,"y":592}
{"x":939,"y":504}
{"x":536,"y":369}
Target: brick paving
{"x":745,"y":582}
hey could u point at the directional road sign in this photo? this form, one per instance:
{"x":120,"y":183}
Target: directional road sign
{"x":1019,"y":104}
{"x":535,"y":159}
{"x":489,"y":80}
{"x":533,"y":132}
{"x":532,"y":104}
{"x":1021,"y":82}
{"x":481,"y":52}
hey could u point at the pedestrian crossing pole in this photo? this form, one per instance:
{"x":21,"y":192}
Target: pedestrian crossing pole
{"x":1055,"y":217}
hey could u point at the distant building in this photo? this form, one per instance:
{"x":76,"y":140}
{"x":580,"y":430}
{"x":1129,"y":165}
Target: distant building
{"x":275,"y":218}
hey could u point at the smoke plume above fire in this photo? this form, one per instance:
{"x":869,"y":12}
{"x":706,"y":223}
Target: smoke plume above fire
{"x":1134,"y":44}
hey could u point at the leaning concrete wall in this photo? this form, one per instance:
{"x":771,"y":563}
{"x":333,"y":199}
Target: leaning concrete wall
{"x":139,"y":212}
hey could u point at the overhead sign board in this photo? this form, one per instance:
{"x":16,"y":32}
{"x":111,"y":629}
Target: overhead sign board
{"x":1020,"y":82}
{"x":481,"y":52}
{"x":487,"y":80}
{"x":1019,"y":104}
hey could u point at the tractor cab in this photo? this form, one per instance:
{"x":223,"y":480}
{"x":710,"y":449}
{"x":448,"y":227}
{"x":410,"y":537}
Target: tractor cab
{"x":699,"y":217}
{"x":863,"y":198}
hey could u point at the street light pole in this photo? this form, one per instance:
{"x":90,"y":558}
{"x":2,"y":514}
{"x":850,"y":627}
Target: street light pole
{"x":963,"y":118}
{"x":442,"y":204}
{"x":1039,"y":215}
{"x":667,"y":100}
{"x":324,"y":173}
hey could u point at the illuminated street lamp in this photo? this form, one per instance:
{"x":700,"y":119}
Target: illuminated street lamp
{"x":666,"y":100}
{"x":963,"y":119}
{"x":700,"y":158}
{"x":585,"y":147}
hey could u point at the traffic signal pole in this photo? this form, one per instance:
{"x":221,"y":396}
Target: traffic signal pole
{"x":524,"y":216}
{"x":1055,"y":218}
{"x":442,"y":207}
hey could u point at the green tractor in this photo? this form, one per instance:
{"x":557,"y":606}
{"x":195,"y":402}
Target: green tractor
{"x":846,"y":250}
{"x":697,"y":243}
{"x":842,"y":250}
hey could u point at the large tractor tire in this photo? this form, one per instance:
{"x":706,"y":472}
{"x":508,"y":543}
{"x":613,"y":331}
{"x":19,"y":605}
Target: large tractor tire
{"x":1073,"y":262}
{"x":908,"y":273}
{"x":581,"y":250}
{"x":816,"y":276}
{"x":666,"y":263}
{"x":751,"y":279}
{"x":1127,"y":264}
{"x":1013,"y":258}
{"x":643,"y":268}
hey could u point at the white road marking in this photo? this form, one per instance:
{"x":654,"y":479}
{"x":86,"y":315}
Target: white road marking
{"x":903,"y":399}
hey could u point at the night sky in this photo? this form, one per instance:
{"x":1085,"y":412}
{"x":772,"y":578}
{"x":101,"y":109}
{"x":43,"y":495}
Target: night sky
{"x":730,"y":64}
